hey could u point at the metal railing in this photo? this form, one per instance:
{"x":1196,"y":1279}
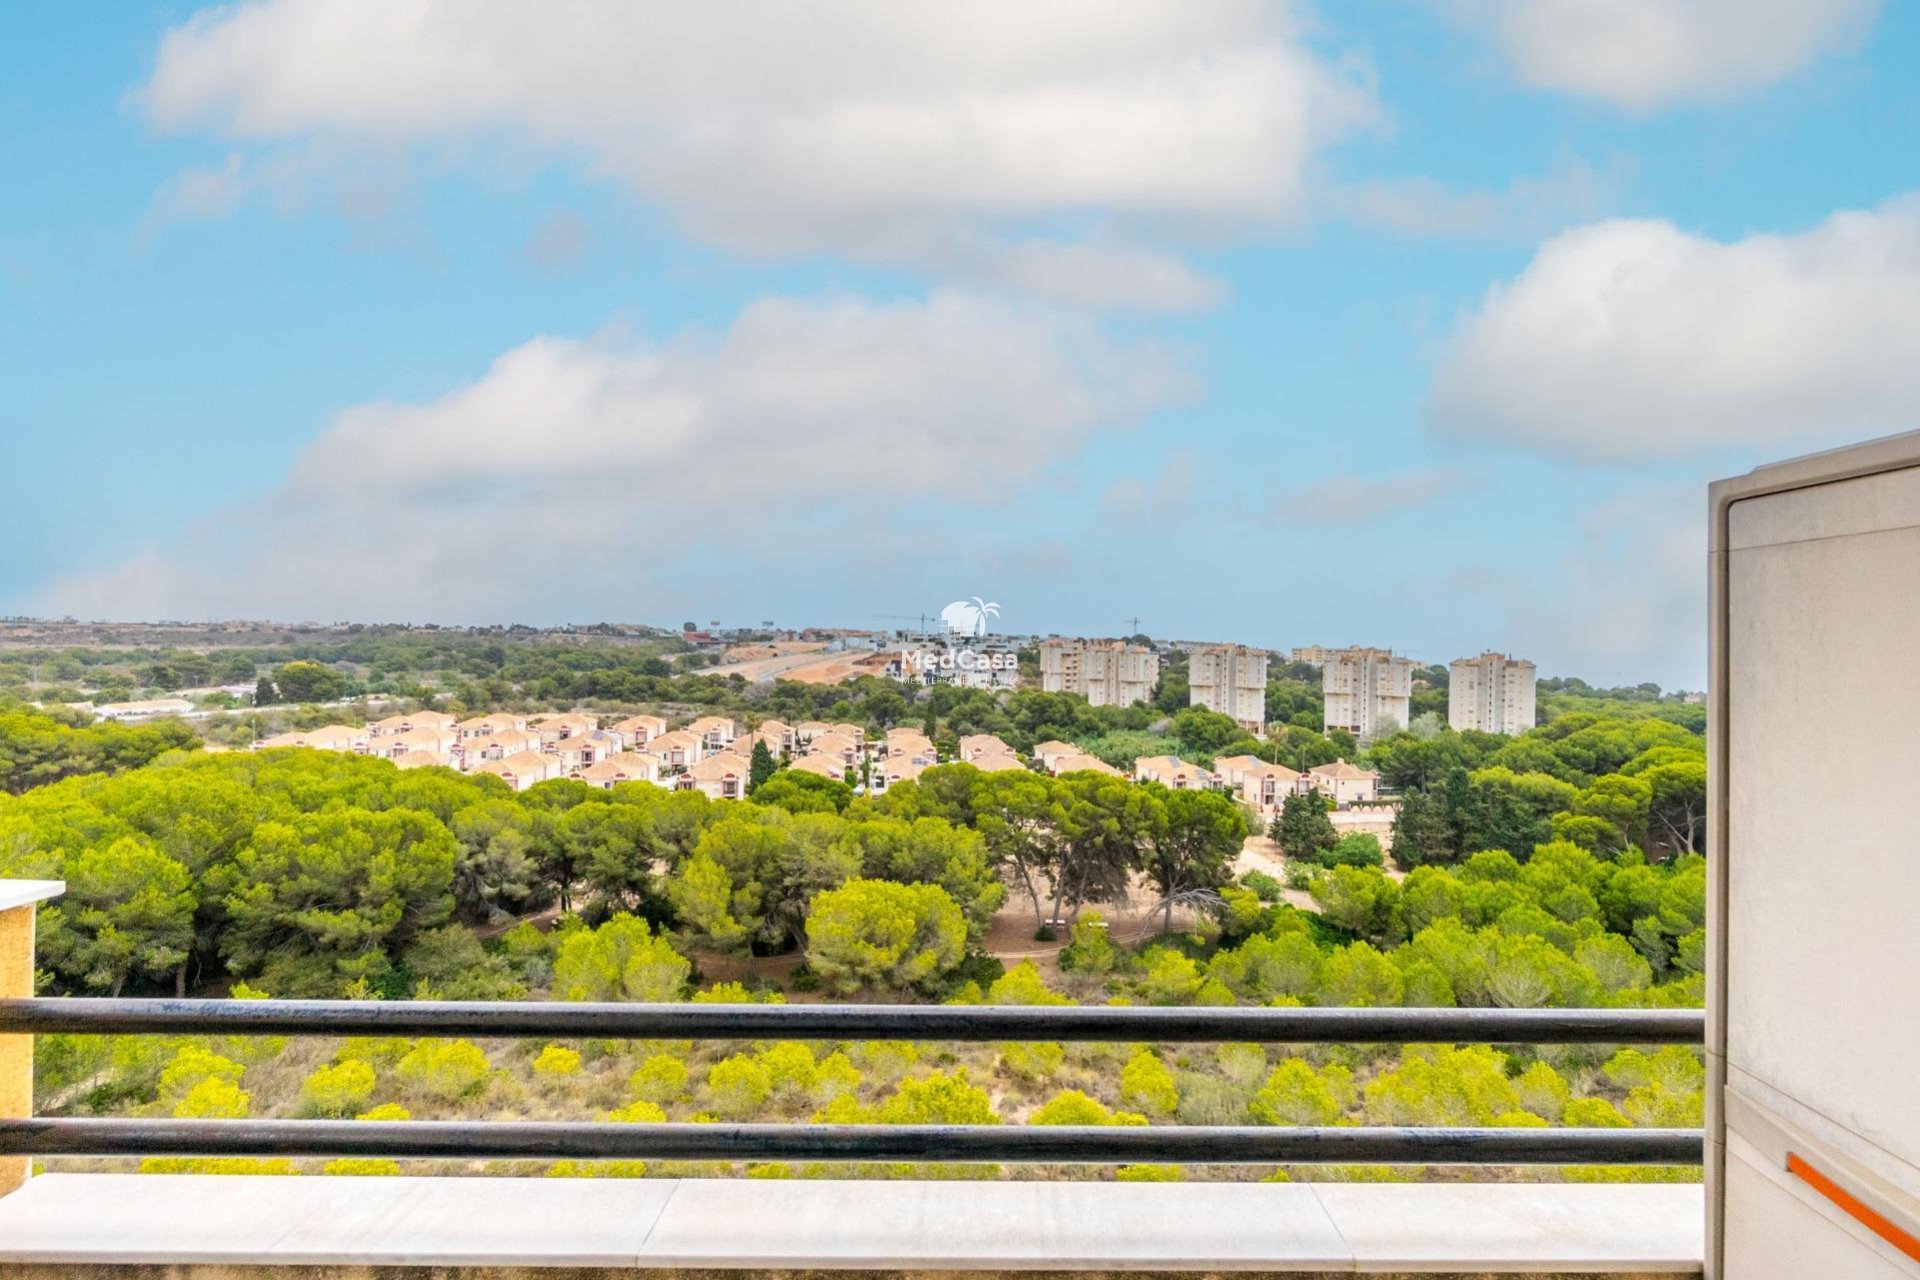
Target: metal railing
{"x":47,"y":1136}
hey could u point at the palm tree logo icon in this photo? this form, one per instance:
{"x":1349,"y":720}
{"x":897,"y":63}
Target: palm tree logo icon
{"x":969,"y":617}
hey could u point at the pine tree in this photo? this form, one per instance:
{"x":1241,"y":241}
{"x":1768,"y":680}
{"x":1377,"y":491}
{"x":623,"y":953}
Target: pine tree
{"x":1421,"y":833}
{"x":761,"y":767}
{"x":1303,"y":829}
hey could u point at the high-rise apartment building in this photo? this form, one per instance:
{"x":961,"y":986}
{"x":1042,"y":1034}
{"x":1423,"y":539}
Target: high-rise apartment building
{"x":1368,"y":691}
{"x":1492,"y":693}
{"x":1107,"y":673}
{"x":1232,"y":680}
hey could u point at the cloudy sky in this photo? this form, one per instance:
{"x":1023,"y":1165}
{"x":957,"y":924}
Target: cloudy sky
{"x":1420,"y":323}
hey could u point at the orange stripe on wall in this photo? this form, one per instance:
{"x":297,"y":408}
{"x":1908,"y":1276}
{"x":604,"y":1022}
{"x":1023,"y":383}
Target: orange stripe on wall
{"x":1867,"y":1218}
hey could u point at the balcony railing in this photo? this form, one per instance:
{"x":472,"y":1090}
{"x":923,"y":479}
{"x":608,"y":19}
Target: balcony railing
{"x":50,"y":1136}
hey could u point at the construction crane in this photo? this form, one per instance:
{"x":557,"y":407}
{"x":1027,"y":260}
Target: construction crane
{"x":907,"y":617}
{"x":1133,"y":626}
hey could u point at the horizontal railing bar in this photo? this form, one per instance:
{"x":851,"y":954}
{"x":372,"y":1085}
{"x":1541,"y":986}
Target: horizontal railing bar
{"x":850,"y":1021}
{"x":1104,"y":1144}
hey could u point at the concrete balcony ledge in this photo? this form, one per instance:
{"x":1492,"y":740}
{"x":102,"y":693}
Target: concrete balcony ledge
{"x":184,"y":1221}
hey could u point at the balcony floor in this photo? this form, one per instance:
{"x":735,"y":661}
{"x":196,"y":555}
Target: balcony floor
{"x":656,"y":1224}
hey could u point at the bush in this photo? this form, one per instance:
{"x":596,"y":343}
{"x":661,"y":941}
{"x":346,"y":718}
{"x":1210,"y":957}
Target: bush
{"x":1032,"y":1062}
{"x":1091,"y":952}
{"x":1145,"y":1082}
{"x":621,"y":960}
{"x":190,"y":1066}
{"x":445,"y":1069}
{"x":1172,"y":978}
{"x":214,"y":1098}
{"x":738,"y":1086}
{"x":1296,"y":1094}
{"x":454,"y":966}
{"x":1264,"y":886}
{"x":1361,"y":849}
{"x":1209,"y":1100}
{"x":1072,"y":1107}
{"x":557,"y":1060}
{"x":338,"y":1090}
{"x":660,"y":1079}
{"x":885,"y":935}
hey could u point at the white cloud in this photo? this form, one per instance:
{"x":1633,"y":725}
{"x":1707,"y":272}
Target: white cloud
{"x":845,"y":125}
{"x":1356,"y":499}
{"x":573,"y":477}
{"x":1645,"y":54}
{"x":1634,"y":339}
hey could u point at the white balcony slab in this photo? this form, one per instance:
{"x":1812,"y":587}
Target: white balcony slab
{"x":1520,"y":1227}
{"x":180,"y":1219}
{"x":658,"y":1224}
{"x":993,"y":1226}
{"x":21,"y":893}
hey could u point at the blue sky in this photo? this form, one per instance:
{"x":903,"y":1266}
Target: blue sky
{"x":1417,"y":324}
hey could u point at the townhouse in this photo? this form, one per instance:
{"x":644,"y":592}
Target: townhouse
{"x":716,"y":733}
{"x":974,"y":745}
{"x":476,"y":751}
{"x":810,"y":729}
{"x":439,"y":743}
{"x":891,"y":771}
{"x":1078,"y":762}
{"x":639,"y":731}
{"x":719,"y":777}
{"x":1260,"y":786}
{"x":1173,"y":773}
{"x":491,"y":725}
{"x":1345,"y":783}
{"x":558,"y":728}
{"x":621,"y":766}
{"x":908,"y":743}
{"x":1051,"y":750}
{"x":677,"y":749}
{"x":779,"y":736}
{"x":523,"y":769}
{"x":438,"y":721}
{"x":332,"y":737}
{"x":839,"y":746}
{"x":821,"y":766}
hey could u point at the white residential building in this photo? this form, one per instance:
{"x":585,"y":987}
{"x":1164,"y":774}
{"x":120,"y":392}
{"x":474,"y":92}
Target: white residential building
{"x":1232,"y":680}
{"x":1261,"y":786}
{"x":1107,"y":673}
{"x":1173,"y":773}
{"x":1492,"y":693}
{"x":719,"y":777}
{"x":522,"y":770}
{"x":975,"y":745}
{"x":908,"y":744}
{"x":1345,"y":783}
{"x":1052,"y":750}
{"x":716,"y":733}
{"x":1368,"y":691}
